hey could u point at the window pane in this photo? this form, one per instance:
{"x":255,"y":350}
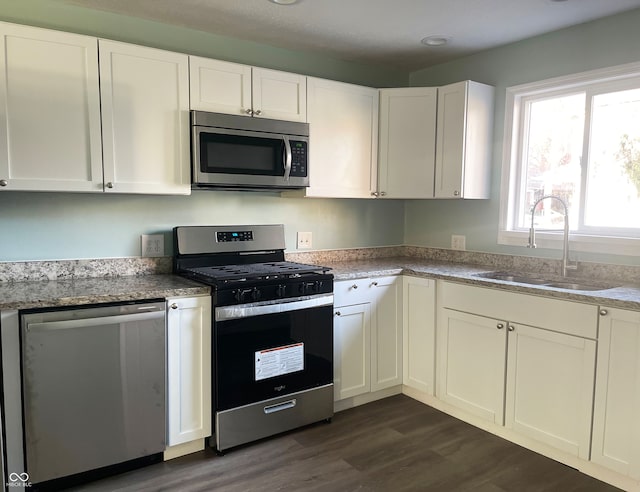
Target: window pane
{"x":552,"y":153}
{"x":613,"y":185}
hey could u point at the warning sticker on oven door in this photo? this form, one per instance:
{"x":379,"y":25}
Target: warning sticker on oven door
{"x":279,"y":360}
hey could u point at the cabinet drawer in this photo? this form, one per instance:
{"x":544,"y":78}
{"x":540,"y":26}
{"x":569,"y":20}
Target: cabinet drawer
{"x":568,"y":317}
{"x":348,"y":292}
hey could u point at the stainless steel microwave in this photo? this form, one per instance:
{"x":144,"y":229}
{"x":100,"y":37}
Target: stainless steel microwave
{"x":240,"y":152}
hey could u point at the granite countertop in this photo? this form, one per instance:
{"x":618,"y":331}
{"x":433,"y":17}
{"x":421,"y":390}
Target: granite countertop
{"x":624,"y":295}
{"x":73,"y":292}
{"x":78,"y":291}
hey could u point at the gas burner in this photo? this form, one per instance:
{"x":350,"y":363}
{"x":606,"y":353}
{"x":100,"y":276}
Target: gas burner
{"x":255,"y":271}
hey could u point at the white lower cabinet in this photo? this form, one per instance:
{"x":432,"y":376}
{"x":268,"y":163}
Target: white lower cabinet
{"x":550,"y":379}
{"x":367,"y":336}
{"x":418,"y":333}
{"x":616,"y":421}
{"x":472,"y":361}
{"x":535,"y":380}
{"x":352,"y":350}
{"x":188,"y":369}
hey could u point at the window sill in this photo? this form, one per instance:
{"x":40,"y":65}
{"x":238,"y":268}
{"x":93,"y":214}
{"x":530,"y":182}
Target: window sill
{"x":577,"y":242}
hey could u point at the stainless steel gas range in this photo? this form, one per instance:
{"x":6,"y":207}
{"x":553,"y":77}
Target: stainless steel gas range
{"x":272,"y":330}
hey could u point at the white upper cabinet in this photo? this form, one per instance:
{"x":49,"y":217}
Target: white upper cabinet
{"x":225,"y":87}
{"x":50,"y":111}
{"x":407,"y":142}
{"x":343,"y":121}
{"x":464,"y":140}
{"x":145,"y":119}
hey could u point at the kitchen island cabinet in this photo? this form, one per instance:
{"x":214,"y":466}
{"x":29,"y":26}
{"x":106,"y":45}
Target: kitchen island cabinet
{"x":188,"y":372}
{"x":616,"y":422}
{"x":49,"y":111}
{"x":543,"y":348}
{"x":232,"y":88}
{"x":367,"y":338}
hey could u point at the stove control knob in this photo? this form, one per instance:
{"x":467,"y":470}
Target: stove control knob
{"x":241,"y":295}
{"x":281,"y":290}
{"x":256,"y":294}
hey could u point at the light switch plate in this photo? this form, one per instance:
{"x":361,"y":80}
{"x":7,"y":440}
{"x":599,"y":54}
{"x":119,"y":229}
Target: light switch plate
{"x":152,"y":245}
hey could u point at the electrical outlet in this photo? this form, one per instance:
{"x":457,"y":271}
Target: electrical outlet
{"x":304,"y":240}
{"x":152,"y":244}
{"x":458,"y":242}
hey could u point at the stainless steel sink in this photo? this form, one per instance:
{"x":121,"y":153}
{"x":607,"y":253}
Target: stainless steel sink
{"x":535,"y":280}
{"x":511,"y":277}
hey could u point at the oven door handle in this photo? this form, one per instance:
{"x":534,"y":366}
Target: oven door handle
{"x":226,"y":313}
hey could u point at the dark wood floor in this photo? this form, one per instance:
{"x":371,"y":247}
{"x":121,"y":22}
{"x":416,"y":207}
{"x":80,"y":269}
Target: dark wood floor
{"x":396,"y":444}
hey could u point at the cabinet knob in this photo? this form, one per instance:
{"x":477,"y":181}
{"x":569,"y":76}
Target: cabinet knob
{"x":3,"y":182}
{"x":109,"y":185}
{"x":500,"y":326}
{"x":456,"y":193}
{"x":510,"y":327}
{"x":603,"y":312}
{"x":249,"y":111}
{"x":375,"y":284}
{"x":338,"y":313}
{"x":174,"y":306}
{"x":383,"y":193}
{"x":354,"y":286}
{"x":257,"y":112}
{"x":374,"y":193}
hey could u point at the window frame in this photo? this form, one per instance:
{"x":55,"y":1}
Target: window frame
{"x":589,"y":239}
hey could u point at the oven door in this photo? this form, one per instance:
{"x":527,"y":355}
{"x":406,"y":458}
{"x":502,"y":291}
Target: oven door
{"x":242,"y":158}
{"x":268,"y":349}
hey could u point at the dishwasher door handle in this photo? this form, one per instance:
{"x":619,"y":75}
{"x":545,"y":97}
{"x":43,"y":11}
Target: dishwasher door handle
{"x":87,"y":322}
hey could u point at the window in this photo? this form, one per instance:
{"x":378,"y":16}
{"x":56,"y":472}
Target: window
{"x":577,"y":138}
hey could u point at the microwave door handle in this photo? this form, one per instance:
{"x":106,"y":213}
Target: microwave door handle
{"x":287,"y":157}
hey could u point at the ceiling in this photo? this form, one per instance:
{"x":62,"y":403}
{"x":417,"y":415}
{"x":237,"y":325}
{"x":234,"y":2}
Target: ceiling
{"x":380,"y":32}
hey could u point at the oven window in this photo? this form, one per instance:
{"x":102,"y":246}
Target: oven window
{"x":302,"y":339}
{"x":234,"y":154}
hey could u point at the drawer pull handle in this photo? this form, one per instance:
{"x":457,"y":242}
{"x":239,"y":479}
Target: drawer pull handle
{"x":278,"y":407}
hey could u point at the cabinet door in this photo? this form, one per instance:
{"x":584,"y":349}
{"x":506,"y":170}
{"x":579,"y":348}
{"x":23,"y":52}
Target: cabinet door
{"x":616,"y":426}
{"x":386,"y":333}
{"x":343,"y":121}
{"x":49,"y":111}
{"x":418,"y":335}
{"x":188,"y":369}
{"x":472,"y":363}
{"x":352,"y":350}
{"x":464,"y":140}
{"x":550,"y":380}
{"x":219,"y":86}
{"x":407,"y":142}
{"x":279,"y":95}
{"x":145,"y":119}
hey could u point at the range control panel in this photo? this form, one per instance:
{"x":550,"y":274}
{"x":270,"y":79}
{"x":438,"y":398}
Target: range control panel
{"x":232,"y":236}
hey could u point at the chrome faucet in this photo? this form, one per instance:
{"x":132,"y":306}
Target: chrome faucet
{"x":566,"y":264}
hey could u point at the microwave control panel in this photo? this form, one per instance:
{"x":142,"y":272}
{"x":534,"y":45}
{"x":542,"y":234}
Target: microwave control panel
{"x":298,"y":158}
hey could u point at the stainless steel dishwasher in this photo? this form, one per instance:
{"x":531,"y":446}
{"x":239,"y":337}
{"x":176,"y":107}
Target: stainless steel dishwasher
{"x":93,"y":387}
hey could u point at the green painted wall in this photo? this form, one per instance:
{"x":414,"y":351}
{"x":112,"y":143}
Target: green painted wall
{"x":67,"y":226}
{"x":607,"y":42}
